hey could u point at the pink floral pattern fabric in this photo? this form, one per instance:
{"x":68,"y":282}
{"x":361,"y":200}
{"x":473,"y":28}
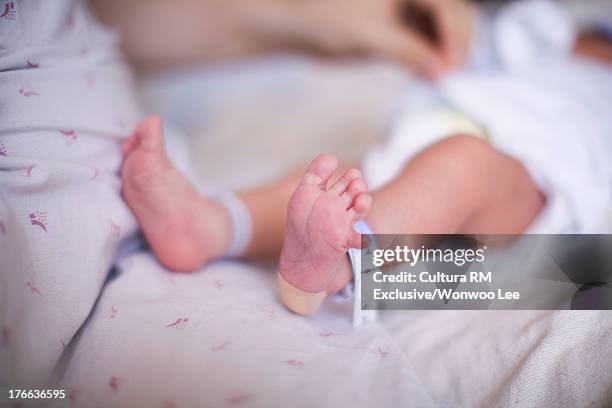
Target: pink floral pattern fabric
{"x":220,"y":338}
{"x":67,"y":102}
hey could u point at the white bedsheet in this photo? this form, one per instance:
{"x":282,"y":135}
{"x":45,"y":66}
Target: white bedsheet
{"x":220,"y":338}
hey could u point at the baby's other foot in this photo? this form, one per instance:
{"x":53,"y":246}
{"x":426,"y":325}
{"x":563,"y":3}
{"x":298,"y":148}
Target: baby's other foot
{"x":319,"y":232}
{"x":183,"y":228}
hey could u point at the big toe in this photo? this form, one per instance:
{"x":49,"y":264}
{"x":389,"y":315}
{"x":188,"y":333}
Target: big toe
{"x":150,"y":134}
{"x":320,"y":170}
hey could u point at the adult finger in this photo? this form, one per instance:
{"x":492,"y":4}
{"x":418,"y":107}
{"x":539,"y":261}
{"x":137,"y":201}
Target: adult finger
{"x":465,"y":21}
{"x":410,"y":49}
{"x":458,"y":36}
{"x":448,"y":20}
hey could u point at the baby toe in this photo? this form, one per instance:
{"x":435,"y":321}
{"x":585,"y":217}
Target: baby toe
{"x":320,"y":170}
{"x":150,"y":134}
{"x":343,"y":183}
{"x":355,"y":188}
{"x":361,"y":207}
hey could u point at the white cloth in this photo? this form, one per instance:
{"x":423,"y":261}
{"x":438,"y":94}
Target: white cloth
{"x":66,"y":103}
{"x":551,"y":113}
{"x":555,"y":119}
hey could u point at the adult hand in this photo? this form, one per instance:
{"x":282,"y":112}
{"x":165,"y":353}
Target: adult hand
{"x":430,"y":36}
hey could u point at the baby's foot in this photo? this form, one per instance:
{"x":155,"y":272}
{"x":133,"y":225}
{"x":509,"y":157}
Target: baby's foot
{"x":183,"y":228}
{"x":319,"y":232}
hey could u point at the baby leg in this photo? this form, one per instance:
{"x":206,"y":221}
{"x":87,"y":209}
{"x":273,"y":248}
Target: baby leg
{"x":459,"y":185}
